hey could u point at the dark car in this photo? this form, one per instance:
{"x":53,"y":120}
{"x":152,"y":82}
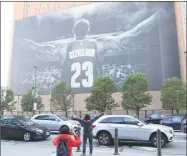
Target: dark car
{"x":18,"y":117}
{"x":155,"y":118}
{"x":24,"y":130}
{"x":184,"y":124}
{"x":173,"y":121}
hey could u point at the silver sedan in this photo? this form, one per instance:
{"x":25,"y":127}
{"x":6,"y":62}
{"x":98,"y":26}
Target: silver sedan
{"x":54,"y":122}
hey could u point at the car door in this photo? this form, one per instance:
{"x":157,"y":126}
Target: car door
{"x":176,"y":123}
{"x":54,"y":123}
{"x":117,"y":122}
{"x":11,"y":128}
{"x":3,"y":131}
{"x":15,"y":128}
{"x":132,"y":130}
{"x":43,"y":120}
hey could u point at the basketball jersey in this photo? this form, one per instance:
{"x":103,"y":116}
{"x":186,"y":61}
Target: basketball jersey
{"x":81,"y":65}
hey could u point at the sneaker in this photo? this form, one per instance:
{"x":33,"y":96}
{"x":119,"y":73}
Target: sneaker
{"x":83,"y":154}
{"x":91,"y":154}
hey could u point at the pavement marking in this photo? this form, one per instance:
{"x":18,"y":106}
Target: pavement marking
{"x":144,"y":148}
{"x":179,"y":141}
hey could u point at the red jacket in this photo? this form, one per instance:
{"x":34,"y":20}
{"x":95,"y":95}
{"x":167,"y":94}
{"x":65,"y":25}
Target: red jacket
{"x":70,"y":142}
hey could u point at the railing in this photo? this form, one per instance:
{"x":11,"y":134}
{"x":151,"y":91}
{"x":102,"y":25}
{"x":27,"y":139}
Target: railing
{"x":142,"y":113}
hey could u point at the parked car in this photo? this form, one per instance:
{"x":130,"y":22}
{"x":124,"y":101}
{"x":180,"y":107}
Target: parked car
{"x":155,"y":118}
{"x":19,"y":129}
{"x":184,"y":124}
{"x":55,"y":122}
{"x":18,"y":117}
{"x":172,"y":121}
{"x":129,"y":129}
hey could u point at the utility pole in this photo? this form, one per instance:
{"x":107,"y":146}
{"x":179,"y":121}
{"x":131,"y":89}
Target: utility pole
{"x":50,"y":97}
{"x":186,"y":65}
{"x":73,"y":104}
{"x":35,"y":91}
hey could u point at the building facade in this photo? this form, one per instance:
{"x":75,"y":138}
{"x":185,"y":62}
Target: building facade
{"x":148,"y":37}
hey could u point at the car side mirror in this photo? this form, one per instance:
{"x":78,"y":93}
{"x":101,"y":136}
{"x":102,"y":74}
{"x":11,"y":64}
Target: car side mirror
{"x":17,"y":124}
{"x":139,"y":124}
{"x":57,"y":120}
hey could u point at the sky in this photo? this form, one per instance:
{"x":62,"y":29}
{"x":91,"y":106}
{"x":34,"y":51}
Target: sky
{"x":7,"y":16}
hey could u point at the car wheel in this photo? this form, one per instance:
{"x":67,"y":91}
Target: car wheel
{"x":154,"y":140}
{"x":62,"y":127}
{"x":27,"y":136}
{"x":104,"y":138}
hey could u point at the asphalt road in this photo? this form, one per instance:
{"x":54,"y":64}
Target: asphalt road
{"x":46,"y":148}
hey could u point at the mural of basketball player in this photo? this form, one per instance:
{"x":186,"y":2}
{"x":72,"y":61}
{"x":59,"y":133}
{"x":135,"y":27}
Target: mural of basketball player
{"x":81,"y":57}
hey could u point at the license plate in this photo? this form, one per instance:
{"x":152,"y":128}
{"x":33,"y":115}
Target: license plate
{"x":47,"y":133}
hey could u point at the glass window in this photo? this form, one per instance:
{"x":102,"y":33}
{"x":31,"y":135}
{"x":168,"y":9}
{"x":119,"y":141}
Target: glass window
{"x":7,"y":121}
{"x":52,"y":117}
{"x":176,"y":119}
{"x":42,"y":117}
{"x":104,"y":120}
{"x":15,"y":122}
{"x":153,"y":116}
{"x":11,"y":122}
{"x":130,"y":121}
{"x":62,"y":117}
{"x":116,"y":120}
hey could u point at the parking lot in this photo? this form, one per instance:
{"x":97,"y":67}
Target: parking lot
{"x":46,"y":148}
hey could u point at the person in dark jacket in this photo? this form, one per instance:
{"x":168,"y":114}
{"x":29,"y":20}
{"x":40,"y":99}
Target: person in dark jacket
{"x":87,"y":131}
{"x":66,"y":134}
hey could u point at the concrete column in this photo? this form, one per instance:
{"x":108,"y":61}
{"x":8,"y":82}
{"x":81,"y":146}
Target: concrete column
{"x":181,"y":35}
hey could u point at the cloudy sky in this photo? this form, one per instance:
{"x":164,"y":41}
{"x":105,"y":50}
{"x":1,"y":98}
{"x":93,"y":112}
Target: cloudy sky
{"x":7,"y":15}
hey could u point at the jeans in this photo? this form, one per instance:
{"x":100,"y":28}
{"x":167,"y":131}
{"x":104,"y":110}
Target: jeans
{"x":90,"y":138}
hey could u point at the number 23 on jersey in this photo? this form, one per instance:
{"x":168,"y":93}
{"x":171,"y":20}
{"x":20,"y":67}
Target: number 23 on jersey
{"x":84,"y":68}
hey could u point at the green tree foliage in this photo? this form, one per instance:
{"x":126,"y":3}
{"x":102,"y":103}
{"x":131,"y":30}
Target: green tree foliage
{"x":101,"y":95}
{"x":173,"y":94}
{"x":7,"y":99}
{"x":62,"y":97}
{"x":135,"y":96}
{"x":27,"y":102}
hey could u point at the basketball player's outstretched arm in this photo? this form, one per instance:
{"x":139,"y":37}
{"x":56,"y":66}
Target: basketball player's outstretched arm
{"x":50,"y":51}
{"x":108,"y":42}
{"x":142,"y":27}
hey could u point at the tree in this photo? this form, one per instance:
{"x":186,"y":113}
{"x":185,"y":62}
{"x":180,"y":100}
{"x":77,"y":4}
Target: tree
{"x":101,"y":95}
{"x":27,"y":102}
{"x":173,"y":94}
{"x":135,"y":94}
{"x":62,"y":97}
{"x":7,"y":99}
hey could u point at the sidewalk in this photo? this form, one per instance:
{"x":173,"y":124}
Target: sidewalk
{"x":109,"y":153}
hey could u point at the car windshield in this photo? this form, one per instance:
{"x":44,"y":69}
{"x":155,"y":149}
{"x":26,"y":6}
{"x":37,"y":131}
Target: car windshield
{"x":62,"y":117}
{"x":28,"y":122}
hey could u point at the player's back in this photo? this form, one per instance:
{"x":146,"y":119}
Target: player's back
{"x":81,"y":65}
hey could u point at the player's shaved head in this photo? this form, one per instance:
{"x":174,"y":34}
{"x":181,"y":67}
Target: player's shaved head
{"x":81,"y":28}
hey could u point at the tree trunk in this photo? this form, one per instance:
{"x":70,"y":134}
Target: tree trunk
{"x":66,"y":113}
{"x":177,"y":111}
{"x":137,"y":113}
{"x":110,"y":112}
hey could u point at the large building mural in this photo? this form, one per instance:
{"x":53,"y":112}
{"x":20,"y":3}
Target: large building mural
{"x":107,"y":38}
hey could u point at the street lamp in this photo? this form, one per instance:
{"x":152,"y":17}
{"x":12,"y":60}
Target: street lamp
{"x":35,"y":94}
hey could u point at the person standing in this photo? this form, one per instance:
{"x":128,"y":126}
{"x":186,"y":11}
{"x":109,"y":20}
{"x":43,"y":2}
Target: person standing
{"x":87,"y":123}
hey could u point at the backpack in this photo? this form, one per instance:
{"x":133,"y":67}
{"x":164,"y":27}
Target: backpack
{"x":62,"y":149}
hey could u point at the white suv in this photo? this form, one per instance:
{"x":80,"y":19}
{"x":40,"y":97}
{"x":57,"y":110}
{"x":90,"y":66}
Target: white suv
{"x":129,"y":129}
